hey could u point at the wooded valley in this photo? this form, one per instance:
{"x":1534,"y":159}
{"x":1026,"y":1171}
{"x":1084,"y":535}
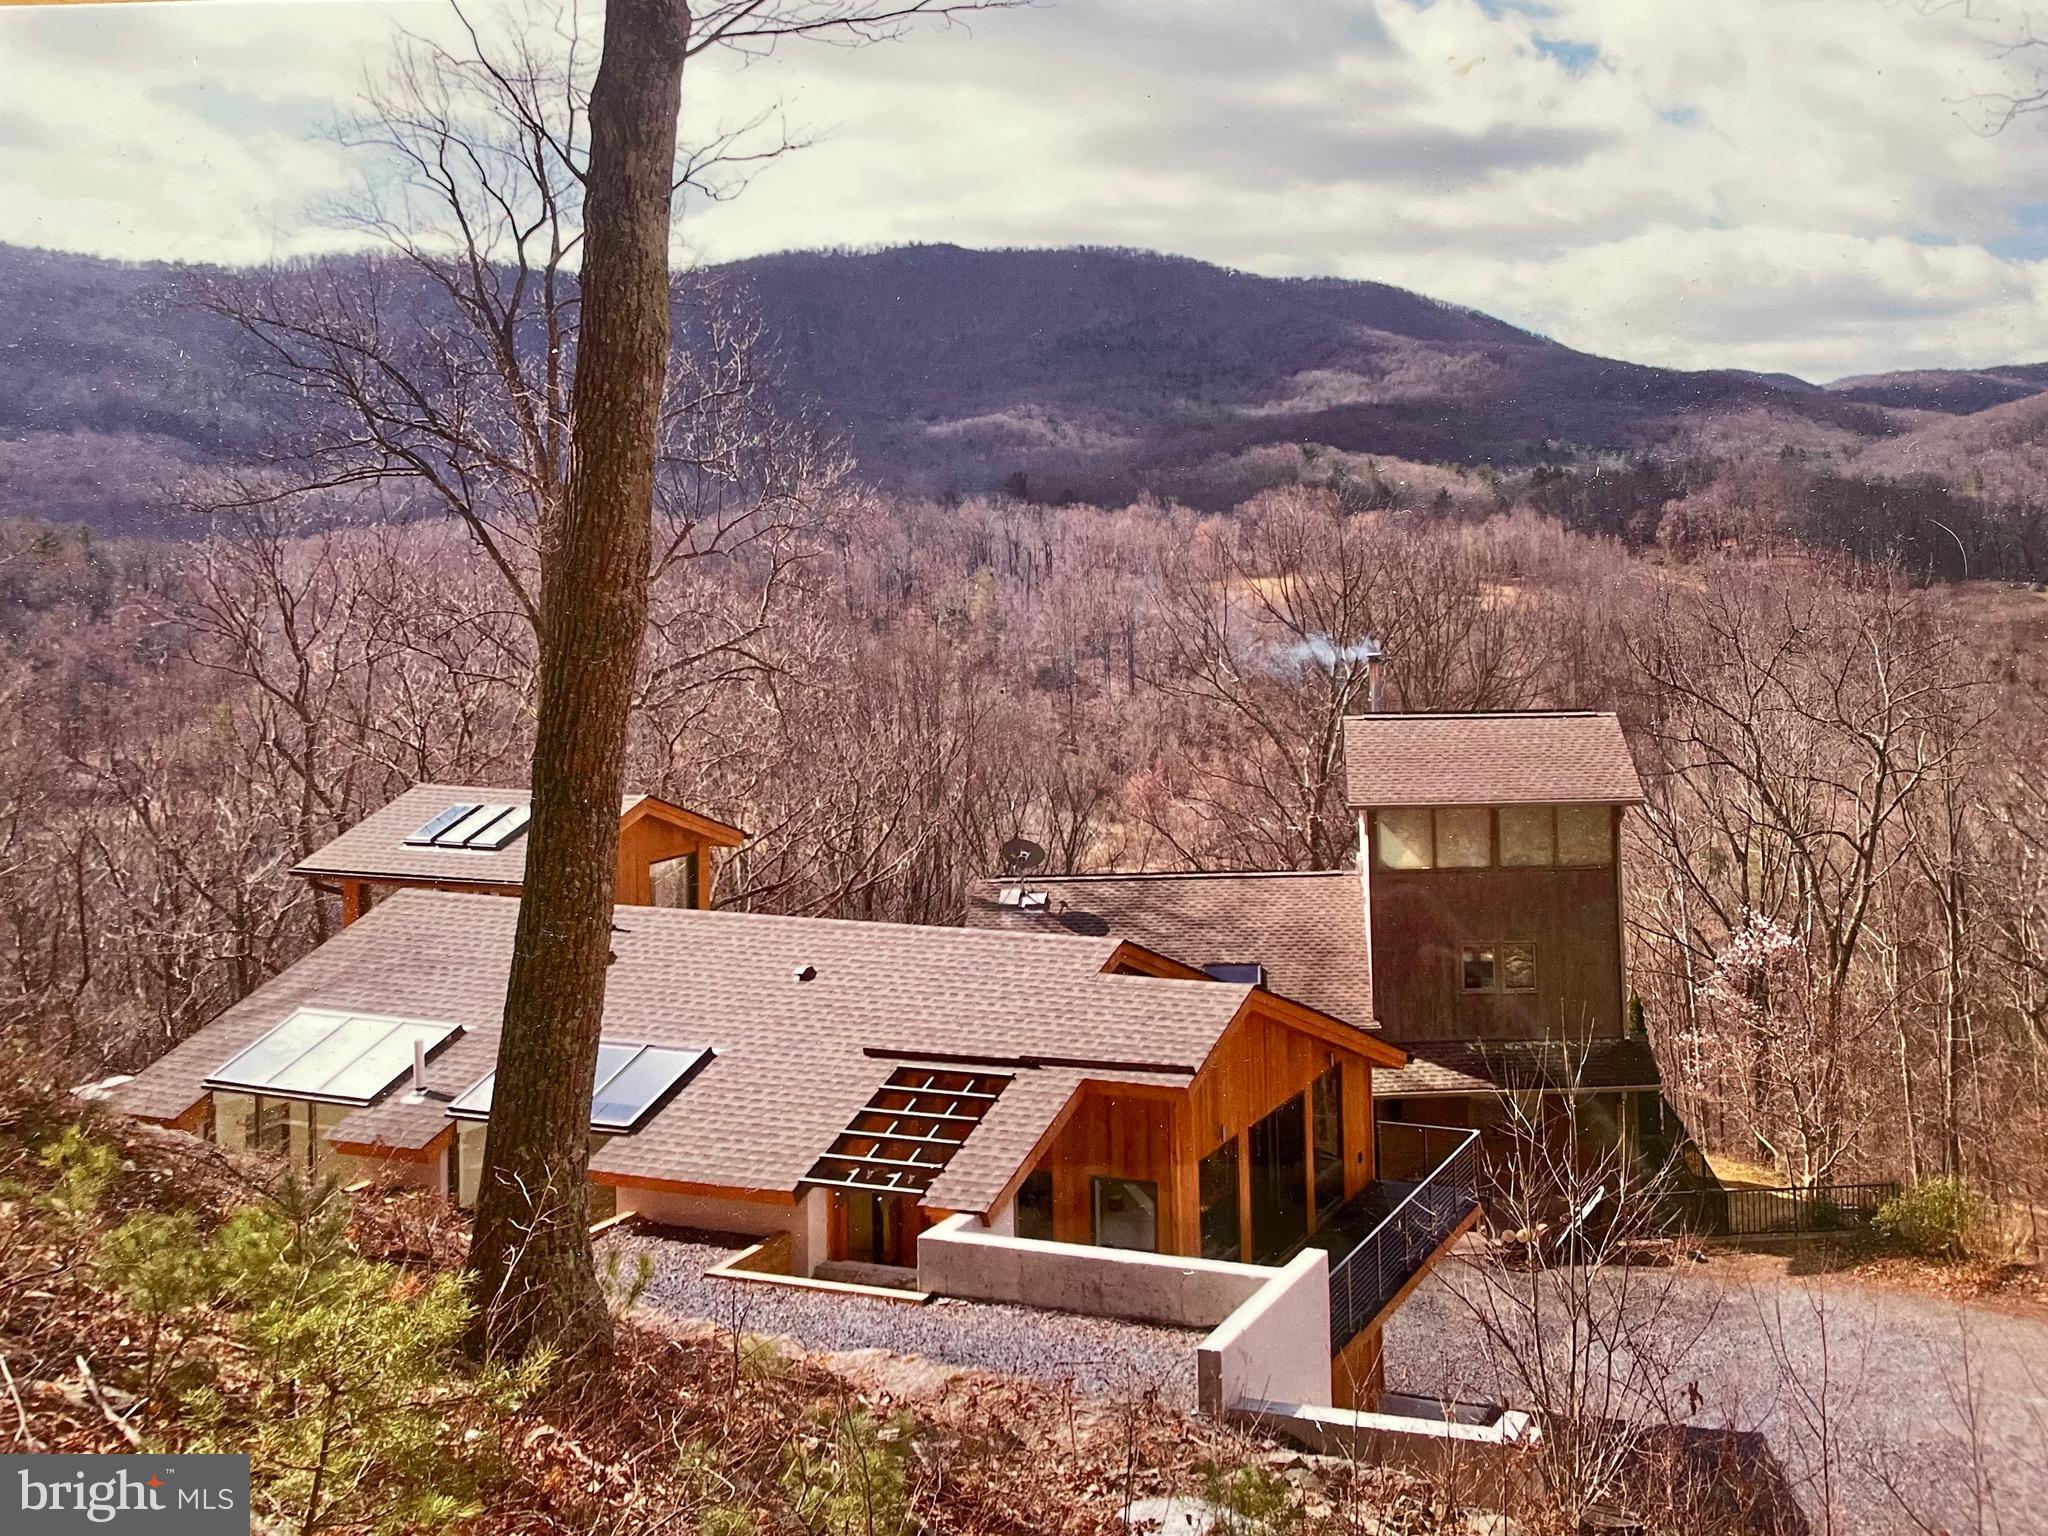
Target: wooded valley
{"x":1838,"y":892}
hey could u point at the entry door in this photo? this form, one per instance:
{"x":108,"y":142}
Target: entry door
{"x":1279,"y":1179}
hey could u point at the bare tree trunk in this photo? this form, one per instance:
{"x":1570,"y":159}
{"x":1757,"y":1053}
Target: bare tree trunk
{"x":532,"y":1271}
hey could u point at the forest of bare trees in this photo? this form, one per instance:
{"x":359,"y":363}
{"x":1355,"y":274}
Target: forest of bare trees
{"x":1838,"y":890}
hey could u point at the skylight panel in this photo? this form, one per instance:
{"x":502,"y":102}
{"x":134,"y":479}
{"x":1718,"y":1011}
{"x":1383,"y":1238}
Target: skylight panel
{"x":462,"y":831}
{"x":631,"y":1095}
{"x":630,"y":1082}
{"x":424,"y":837}
{"x":331,"y":1057}
{"x":474,"y":1102}
{"x":501,"y":832}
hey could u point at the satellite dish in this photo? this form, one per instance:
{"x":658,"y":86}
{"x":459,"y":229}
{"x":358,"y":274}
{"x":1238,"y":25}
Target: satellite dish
{"x":1020,"y":854}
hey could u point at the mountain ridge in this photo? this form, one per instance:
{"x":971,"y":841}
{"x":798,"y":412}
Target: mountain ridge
{"x":1087,"y":373}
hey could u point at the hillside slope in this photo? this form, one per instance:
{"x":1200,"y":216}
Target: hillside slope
{"x":1093,"y":374}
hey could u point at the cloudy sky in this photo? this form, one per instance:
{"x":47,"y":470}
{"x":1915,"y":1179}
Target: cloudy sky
{"x":1802,"y":185}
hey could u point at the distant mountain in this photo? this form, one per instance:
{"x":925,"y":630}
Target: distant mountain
{"x":2000,"y":453}
{"x":1099,"y":373}
{"x":1952,"y":391}
{"x":1091,"y":374}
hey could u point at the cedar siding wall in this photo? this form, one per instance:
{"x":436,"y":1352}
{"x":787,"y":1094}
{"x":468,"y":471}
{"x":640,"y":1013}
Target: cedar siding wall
{"x":647,"y":840}
{"x":1163,"y":1136}
{"x":1423,"y":918}
{"x":1114,"y":1135}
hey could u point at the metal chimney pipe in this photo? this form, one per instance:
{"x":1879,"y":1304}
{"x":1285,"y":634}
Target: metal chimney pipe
{"x":1375,"y":668}
{"x":419,"y":1065}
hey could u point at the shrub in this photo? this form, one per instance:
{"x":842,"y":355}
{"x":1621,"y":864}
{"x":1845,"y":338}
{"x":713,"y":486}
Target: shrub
{"x":1255,"y":1502}
{"x":1939,"y":1218}
{"x":850,"y":1479}
{"x":356,"y":1380}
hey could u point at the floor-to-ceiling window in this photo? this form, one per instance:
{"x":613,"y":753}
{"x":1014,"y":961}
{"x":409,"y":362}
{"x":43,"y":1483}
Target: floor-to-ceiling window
{"x":1278,"y":1146}
{"x":1221,"y":1238}
{"x":1327,"y":1112}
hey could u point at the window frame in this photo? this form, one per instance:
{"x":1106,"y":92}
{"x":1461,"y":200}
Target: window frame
{"x":1149,"y":1200}
{"x":1549,"y":815}
{"x":1606,"y":814}
{"x":1327,"y":1091}
{"x":1500,"y":967}
{"x":1467,"y":954}
{"x":1380,"y":835}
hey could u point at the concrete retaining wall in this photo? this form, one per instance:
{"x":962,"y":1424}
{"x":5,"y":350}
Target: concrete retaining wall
{"x":803,"y":1223}
{"x":1479,"y":1455}
{"x":1275,"y":1346}
{"x":1269,"y":1329}
{"x":960,"y":1257}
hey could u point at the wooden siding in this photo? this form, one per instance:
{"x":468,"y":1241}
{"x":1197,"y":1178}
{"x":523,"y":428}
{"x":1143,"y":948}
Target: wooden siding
{"x":1115,"y":1135}
{"x":645,"y":839}
{"x":1162,"y":1136}
{"x":1423,"y":918}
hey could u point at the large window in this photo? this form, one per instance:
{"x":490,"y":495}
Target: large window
{"x":1278,"y":1146}
{"x":673,"y":882}
{"x":1327,"y":1114}
{"x":1404,"y":839}
{"x":1221,"y":1234}
{"x":1525,"y":836}
{"x":1034,"y":1206}
{"x":1464,"y":837}
{"x":1585,"y":835}
{"x":1512,"y":837}
{"x":1127,"y":1214}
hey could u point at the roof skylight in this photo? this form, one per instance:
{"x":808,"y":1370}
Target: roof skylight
{"x":632,"y":1081}
{"x":331,"y":1057}
{"x":475,"y":826}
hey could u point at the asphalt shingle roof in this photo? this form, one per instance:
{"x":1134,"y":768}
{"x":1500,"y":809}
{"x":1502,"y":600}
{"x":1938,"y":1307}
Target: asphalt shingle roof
{"x":1488,"y":1066}
{"x":1557,"y":758}
{"x":1306,"y":929}
{"x":374,"y":848}
{"x":792,"y":1062}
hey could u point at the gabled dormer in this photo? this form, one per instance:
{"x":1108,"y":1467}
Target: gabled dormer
{"x":460,"y":837}
{"x":1491,"y":844}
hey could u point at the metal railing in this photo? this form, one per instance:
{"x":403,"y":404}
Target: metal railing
{"x":1785,"y":1212}
{"x":1432,"y":1173}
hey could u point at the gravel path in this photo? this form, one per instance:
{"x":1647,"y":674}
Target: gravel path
{"x":1099,"y":1357}
{"x":1896,"y":1374}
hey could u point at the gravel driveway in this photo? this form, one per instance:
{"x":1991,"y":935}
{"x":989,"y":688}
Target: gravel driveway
{"x":1891,"y":1374}
{"x":1099,"y":1357}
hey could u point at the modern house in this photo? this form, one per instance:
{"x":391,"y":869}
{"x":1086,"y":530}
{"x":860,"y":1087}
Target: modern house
{"x":839,"y":1088}
{"x":1481,"y":929}
{"x":458,"y":837}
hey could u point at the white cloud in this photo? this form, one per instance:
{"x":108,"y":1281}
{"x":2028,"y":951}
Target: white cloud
{"x":1750,"y":183}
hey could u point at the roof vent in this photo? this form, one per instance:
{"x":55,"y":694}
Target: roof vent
{"x":805,"y":973}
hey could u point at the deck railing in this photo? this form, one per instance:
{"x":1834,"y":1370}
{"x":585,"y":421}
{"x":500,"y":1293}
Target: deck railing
{"x":1433,"y":1173}
{"x":1788,"y":1211}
